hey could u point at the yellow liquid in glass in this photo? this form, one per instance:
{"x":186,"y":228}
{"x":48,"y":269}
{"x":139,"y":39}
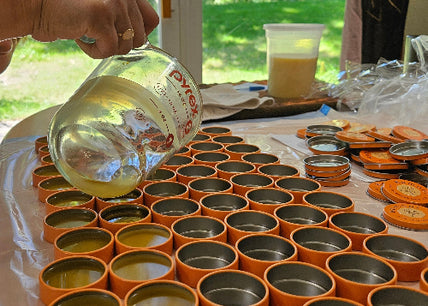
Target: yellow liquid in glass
{"x":109,"y":134}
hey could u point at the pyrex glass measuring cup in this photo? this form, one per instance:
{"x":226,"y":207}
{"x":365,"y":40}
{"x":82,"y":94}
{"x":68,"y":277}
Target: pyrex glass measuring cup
{"x":131,"y":114}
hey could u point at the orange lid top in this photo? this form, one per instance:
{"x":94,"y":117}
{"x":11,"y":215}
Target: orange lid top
{"x":381,"y":159}
{"x":385,"y":137}
{"x":377,"y":156}
{"x":374,"y":190}
{"x":406,"y":132}
{"x":404,"y":191}
{"x":353,"y":136}
{"x":343,"y":123}
{"x":407,"y":215}
{"x":356,"y":127}
{"x":301,"y":133}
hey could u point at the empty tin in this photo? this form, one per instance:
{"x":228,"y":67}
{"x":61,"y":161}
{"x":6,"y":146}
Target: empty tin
{"x":206,"y":146}
{"x":409,"y":257}
{"x":294,"y":283}
{"x":193,"y":228}
{"x":178,"y":160}
{"x":267,"y":199}
{"x":232,"y":287}
{"x":322,"y":129}
{"x":168,"y":210}
{"x":216,"y":130}
{"x":298,"y":186}
{"x":228,"y":139}
{"x":161,"y":174}
{"x":185,"y":174}
{"x":409,"y":150}
{"x":331,"y":301}
{"x":259,"y":159}
{"x":356,"y":274}
{"x":229,"y":168}
{"x":200,"y":187}
{"x":244,"y":182}
{"x":259,"y":251}
{"x":330,"y":202}
{"x":315,"y":244}
{"x":357,"y":226}
{"x":294,"y":216}
{"x":397,"y":295}
{"x":210,"y":158}
{"x":246,"y":222}
{"x":198,"y":258}
{"x":277,"y":171}
{"x":236,"y":150}
{"x":161,"y":190}
{"x":219,"y":205}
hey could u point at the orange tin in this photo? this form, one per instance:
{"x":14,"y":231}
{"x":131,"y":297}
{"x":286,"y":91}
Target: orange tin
{"x":406,"y":215}
{"x":403,"y":191}
{"x":406,"y":132}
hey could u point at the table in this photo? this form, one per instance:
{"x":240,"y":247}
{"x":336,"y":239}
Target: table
{"x":23,"y":252}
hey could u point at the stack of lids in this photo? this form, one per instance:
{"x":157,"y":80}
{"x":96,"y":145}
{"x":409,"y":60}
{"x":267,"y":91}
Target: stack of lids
{"x":399,"y":191}
{"x":383,"y":153}
{"x":328,"y":170}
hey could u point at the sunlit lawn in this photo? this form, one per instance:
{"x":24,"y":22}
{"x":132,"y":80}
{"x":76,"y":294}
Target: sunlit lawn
{"x":234,"y":49}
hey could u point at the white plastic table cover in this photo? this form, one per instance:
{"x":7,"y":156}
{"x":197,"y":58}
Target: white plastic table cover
{"x":23,"y":252}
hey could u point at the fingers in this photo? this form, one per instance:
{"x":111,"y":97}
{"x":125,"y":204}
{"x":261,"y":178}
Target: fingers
{"x":133,"y":21}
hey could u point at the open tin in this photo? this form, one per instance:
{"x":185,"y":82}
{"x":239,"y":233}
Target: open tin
{"x":166,"y":211}
{"x":117,"y":216}
{"x":326,"y":145}
{"x":88,"y":297}
{"x":232,"y":287}
{"x":68,"y":198}
{"x":198,"y":258}
{"x":407,"y":256}
{"x":397,"y":295}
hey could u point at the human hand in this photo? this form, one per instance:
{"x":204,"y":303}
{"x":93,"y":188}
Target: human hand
{"x":7,"y":47}
{"x":116,"y":25}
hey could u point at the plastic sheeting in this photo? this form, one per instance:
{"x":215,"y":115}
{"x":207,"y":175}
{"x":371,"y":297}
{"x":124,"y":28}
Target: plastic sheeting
{"x":23,"y":252}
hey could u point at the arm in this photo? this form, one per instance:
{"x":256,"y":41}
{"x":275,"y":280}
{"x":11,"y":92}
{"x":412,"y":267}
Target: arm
{"x":103,"y":20}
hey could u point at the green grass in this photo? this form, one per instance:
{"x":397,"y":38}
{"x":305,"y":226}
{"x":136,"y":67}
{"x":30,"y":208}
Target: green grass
{"x":234,"y":49}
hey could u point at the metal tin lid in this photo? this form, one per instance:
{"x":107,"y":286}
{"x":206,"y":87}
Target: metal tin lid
{"x":329,"y":183}
{"x":383,"y":174}
{"x":343,"y":123}
{"x":353,"y":137}
{"x":326,"y":162}
{"x":381,"y":160}
{"x":322,"y":129}
{"x":422,"y":170}
{"x":326,"y":144}
{"x":420,"y":161}
{"x":406,"y":215}
{"x":409,"y":150}
{"x":327,"y":174}
{"x":403,"y":191}
{"x":301,"y":133}
{"x":374,"y":190}
{"x":370,"y":145}
{"x":356,"y":127}
{"x":385,"y":137}
{"x":406,"y":132}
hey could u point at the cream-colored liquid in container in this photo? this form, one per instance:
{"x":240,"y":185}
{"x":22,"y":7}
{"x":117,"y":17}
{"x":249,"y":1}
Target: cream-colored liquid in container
{"x":291,"y":76}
